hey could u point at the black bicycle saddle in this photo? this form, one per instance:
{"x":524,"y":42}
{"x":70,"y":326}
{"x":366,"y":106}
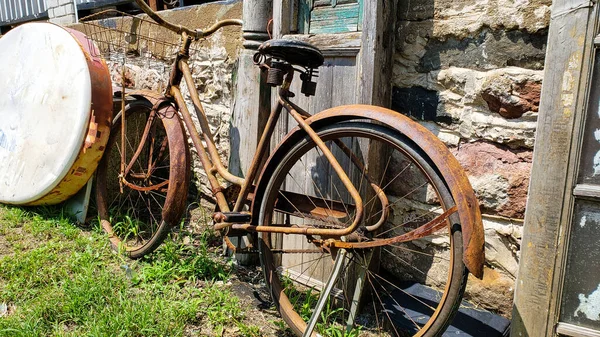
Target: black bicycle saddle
{"x":294,"y":52}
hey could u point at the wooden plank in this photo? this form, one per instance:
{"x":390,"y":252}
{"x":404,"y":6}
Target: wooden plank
{"x":343,"y":44}
{"x":333,"y":3}
{"x":293,"y":14}
{"x":320,"y":170}
{"x":361,"y":10}
{"x":330,"y":13}
{"x":585,"y":190}
{"x":281,"y":18}
{"x":251,"y":96}
{"x":576,"y":331}
{"x":375,"y":68}
{"x":320,"y":3}
{"x":340,"y":19}
{"x":303,"y":16}
{"x":548,"y":203}
{"x":257,"y":14}
{"x":341,"y":26}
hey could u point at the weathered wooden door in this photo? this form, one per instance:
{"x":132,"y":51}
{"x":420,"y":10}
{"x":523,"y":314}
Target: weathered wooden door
{"x":353,"y":67}
{"x":558,"y":286}
{"x":580,"y":296}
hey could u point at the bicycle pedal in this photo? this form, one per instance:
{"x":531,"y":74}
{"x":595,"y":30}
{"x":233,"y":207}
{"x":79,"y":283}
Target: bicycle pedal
{"x":232,"y":217}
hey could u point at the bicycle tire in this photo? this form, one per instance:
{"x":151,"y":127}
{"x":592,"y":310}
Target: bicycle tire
{"x":138,"y":214}
{"x":294,"y":286}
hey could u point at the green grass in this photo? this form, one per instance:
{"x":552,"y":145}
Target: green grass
{"x":58,"y":279}
{"x":332,"y":319}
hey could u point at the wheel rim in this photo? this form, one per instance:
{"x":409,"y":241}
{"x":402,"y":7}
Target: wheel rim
{"x":291,"y":271}
{"x":132,"y":207}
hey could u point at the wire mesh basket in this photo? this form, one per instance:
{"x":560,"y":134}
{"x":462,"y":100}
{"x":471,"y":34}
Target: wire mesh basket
{"x":138,"y":51}
{"x":121,"y":35}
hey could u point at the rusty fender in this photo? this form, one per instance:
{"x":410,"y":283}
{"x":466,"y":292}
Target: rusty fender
{"x":446,"y":163}
{"x":168,"y":114}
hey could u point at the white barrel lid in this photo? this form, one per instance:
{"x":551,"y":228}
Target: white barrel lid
{"x":45,"y":97}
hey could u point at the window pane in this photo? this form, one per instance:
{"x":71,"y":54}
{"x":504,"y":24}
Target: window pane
{"x":581,"y":293}
{"x":589,"y":172}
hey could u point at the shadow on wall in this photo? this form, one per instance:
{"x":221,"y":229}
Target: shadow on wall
{"x":414,"y":24}
{"x":422,"y":51}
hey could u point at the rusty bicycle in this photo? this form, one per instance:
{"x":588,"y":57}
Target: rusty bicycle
{"x":365,"y":223}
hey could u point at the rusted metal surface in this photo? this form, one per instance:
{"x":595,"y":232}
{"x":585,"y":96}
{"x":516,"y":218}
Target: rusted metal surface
{"x":427,"y":229}
{"x":206,"y":133}
{"x":358,"y":203}
{"x":177,"y":188}
{"x":202,"y":154}
{"x":385,"y":210}
{"x":98,"y":129}
{"x":467,"y":204}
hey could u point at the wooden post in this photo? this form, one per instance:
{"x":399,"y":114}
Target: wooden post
{"x":252,"y":97}
{"x":377,"y":52}
{"x":548,"y":204}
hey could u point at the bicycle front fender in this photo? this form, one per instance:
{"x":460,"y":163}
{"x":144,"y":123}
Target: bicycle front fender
{"x":446,"y":163}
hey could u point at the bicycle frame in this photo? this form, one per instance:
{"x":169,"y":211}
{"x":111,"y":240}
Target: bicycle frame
{"x":450,"y":168}
{"x":212,"y":164}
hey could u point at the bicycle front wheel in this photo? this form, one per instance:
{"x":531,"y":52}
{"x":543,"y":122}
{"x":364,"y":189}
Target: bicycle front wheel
{"x":141,"y":191}
{"x":408,"y":288}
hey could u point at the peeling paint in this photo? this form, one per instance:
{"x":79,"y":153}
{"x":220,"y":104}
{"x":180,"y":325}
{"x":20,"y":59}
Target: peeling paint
{"x":589,"y":306}
{"x":596,"y":162}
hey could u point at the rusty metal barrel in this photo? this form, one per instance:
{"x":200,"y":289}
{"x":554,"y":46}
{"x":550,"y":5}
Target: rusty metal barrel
{"x":55,"y":113}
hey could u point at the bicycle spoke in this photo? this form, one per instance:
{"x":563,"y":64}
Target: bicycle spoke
{"x":410,"y":248}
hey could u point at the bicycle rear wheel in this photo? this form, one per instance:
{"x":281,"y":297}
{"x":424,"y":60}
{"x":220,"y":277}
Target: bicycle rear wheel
{"x":138,"y":209}
{"x":411,"y":288}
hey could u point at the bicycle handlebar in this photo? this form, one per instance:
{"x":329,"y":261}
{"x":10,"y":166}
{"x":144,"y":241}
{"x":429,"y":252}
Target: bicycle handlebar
{"x":197,"y":34}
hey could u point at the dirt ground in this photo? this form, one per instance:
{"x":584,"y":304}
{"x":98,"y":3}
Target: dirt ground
{"x":246,"y":282}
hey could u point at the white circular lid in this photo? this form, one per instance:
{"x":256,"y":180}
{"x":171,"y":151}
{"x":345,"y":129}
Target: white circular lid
{"x":45,"y":91}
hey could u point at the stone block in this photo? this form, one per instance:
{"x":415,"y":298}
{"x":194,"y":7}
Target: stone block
{"x":499,"y":175}
{"x":486,"y":50}
{"x":59,"y":11}
{"x":51,"y":4}
{"x":63,"y":20}
{"x":512,"y":99}
{"x":419,"y":49}
{"x":464,"y":18}
{"x":493,"y":293}
{"x":68,"y":8}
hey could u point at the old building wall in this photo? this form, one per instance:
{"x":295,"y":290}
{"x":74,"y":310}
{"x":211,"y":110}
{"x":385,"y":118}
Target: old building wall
{"x":471,"y":71}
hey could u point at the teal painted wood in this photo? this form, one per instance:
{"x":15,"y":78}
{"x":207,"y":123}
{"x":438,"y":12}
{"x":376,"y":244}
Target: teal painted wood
{"x":361,"y":10}
{"x":304,"y":8}
{"x":334,"y":20}
{"x":339,"y":12}
{"x":333,"y":3}
{"x":327,"y":28}
{"x":329,"y":16}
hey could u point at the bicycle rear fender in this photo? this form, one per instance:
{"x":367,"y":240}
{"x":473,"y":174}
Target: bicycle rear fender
{"x":468,"y":206}
{"x":167,"y":113}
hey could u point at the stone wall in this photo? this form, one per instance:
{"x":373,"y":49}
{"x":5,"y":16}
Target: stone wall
{"x":471,"y":72}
